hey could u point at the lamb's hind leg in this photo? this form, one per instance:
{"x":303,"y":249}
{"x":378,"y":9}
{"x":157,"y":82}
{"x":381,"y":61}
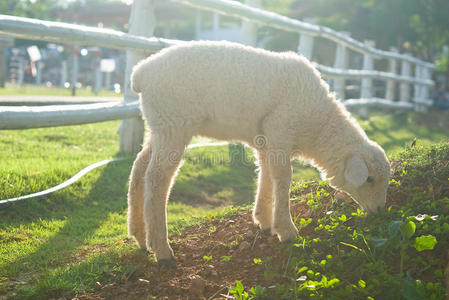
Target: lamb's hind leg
{"x":136,"y":226}
{"x":167,"y":149}
{"x":262,"y":213}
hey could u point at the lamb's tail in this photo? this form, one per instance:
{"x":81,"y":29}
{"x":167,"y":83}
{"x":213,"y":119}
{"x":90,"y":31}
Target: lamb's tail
{"x":137,"y":78}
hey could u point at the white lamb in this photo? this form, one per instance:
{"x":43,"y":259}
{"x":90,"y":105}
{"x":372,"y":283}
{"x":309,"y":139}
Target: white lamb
{"x":276,"y":103}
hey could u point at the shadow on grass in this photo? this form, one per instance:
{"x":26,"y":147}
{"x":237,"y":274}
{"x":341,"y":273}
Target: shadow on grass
{"x":67,"y":260}
{"x":82,"y":209}
{"x":230,"y":185}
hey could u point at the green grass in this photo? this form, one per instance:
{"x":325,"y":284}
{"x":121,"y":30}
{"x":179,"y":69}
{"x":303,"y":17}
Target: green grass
{"x":64,"y":243}
{"x":396,"y":131}
{"x":32,"y":90}
{"x":60,"y":243}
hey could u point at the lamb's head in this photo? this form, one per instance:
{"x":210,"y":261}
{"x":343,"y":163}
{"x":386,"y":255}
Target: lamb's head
{"x":365,"y":175}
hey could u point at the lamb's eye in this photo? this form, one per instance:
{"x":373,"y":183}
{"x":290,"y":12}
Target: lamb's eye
{"x":370,"y":179}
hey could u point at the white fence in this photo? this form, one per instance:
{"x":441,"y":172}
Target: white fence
{"x":413,"y":72}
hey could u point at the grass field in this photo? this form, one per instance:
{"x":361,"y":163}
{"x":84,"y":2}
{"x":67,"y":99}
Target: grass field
{"x":62,"y":244}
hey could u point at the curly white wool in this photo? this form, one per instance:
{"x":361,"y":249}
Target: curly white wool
{"x":276,"y":103}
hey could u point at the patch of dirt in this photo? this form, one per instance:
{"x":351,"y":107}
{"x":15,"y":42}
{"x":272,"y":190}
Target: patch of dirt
{"x":210,"y":257}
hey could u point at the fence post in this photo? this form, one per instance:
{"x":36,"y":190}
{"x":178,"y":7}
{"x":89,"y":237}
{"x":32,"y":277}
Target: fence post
{"x":142,"y":22}
{"x":21,"y":71}
{"x":216,"y":25}
{"x":249,"y":29}
{"x":417,"y":88}
{"x":107,"y":81}
{"x":405,"y":87}
{"x":63,"y":73}
{"x":198,"y":17}
{"x":38,"y":65}
{"x":341,"y":62}
{"x":4,"y":43}
{"x":3,"y":66}
{"x":305,"y":46}
{"x":75,"y":68}
{"x":426,"y":75}
{"x":367,"y":83}
{"x":98,"y":76}
{"x":392,"y":65}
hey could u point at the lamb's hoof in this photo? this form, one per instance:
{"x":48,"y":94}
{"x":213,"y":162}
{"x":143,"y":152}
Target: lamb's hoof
{"x":287,"y":236}
{"x":166,"y":262}
{"x":287,"y":241}
{"x":140,"y":240}
{"x":145,"y":251}
{"x":267,"y":232}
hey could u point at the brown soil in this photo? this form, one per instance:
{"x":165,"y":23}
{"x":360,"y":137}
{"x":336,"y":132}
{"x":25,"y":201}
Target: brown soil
{"x":232,"y":244}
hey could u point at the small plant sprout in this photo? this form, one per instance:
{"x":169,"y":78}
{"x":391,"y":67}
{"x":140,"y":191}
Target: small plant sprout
{"x":425,"y":242}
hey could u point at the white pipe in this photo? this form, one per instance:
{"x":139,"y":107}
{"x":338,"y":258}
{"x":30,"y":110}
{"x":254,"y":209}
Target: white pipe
{"x":22,"y":117}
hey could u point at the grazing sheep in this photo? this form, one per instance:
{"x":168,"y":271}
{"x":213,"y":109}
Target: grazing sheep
{"x":276,"y":103}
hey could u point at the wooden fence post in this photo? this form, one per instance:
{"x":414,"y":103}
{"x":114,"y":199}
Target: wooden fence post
{"x":367,"y":83}
{"x":341,"y":62}
{"x":426,"y":75}
{"x":249,"y":29}
{"x":63,"y":73}
{"x":75,"y":69}
{"x":98,"y":84}
{"x":417,"y":89}
{"x":21,"y":71}
{"x":142,"y":22}
{"x":198,"y":21}
{"x":3,"y":66}
{"x":392,"y":65}
{"x":4,"y":43}
{"x":305,"y":46}
{"x":405,"y":87}
{"x":215,"y":25}
{"x":38,"y":65}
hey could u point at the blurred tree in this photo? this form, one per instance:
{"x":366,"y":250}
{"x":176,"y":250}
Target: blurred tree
{"x":40,"y":9}
{"x":420,"y":27}
{"x":417,"y":26}
{"x":282,"y":7}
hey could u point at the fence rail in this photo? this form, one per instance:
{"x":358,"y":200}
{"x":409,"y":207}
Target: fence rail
{"x":58,"y":32}
{"x":24,"y":117}
{"x":239,"y":10}
{"x":26,"y":28}
{"x":379,"y":75}
{"x":413,"y":72}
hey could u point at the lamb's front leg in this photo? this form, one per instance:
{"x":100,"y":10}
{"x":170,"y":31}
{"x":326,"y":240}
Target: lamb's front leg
{"x":281,"y":174}
{"x":262,"y":213}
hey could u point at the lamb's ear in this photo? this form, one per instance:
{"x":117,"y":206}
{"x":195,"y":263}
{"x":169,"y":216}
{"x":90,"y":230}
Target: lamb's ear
{"x":356,"y":171}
